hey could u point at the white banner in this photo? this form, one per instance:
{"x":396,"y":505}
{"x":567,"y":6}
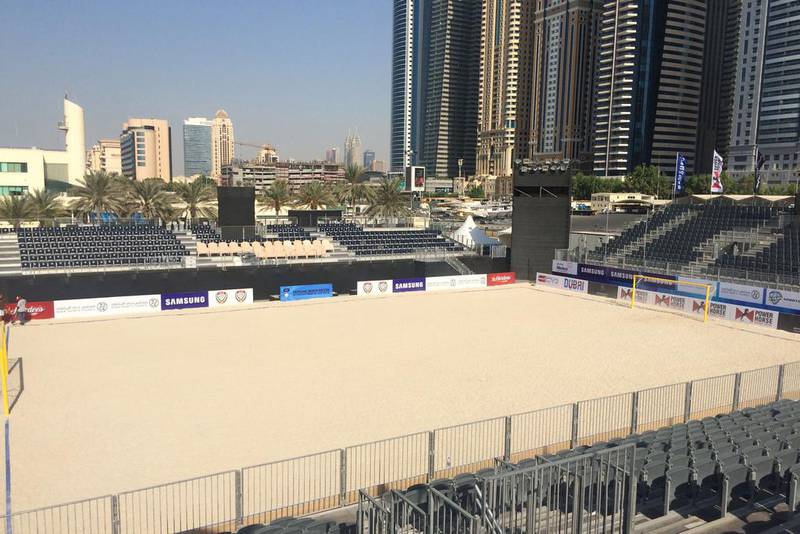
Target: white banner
{"x":230,"y":297}
{"x":741,"y":293}
{"x":624,"y":294}
{"x":696,"y":290}
{"x":562,"y":282}
{"x":108,"y":306}
{"x":565,"y":267}
{"x":783,"y":299}
{"x":441,"y":283}
{"x":749,"y":315}
{"x":374,"y":288}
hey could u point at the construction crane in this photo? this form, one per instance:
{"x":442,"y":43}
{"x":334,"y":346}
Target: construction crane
{"x":267,"y":152}
{"x":254,"y":145}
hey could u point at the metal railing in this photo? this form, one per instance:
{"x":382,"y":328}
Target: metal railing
{"x":358,"y":474}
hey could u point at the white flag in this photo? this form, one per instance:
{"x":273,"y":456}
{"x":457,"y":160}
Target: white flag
{"x":716,"y":174}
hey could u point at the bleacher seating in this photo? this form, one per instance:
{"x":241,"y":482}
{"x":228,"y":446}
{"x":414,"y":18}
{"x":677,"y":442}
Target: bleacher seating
{"x":781,"y":258}
{"x":643,"y":227}
{"x":711,"y":464}
{"x":74,"y":247}
{"x":383,"y":242}
{"x":282,"y":232}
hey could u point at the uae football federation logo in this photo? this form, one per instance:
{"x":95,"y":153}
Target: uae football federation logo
{"x":222,"y":297}
{"x":368,"y":287}
{"x":383,"y":286}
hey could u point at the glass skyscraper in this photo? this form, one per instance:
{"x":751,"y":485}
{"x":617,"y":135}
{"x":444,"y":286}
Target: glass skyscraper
{"x":197,"y":146}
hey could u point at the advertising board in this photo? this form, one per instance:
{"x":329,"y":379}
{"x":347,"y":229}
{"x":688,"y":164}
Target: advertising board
{"x":306,"y":292}
{"x":374,"y":288}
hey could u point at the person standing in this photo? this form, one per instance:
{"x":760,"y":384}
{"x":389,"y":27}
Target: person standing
{"x":22,"y":310}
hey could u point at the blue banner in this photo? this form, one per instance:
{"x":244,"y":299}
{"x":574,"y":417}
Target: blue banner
{"x":680,"y":173}
{"x":404,"y":285}
{"x":622,"y":277}
{"x":305,"y":292}
{"x":179,"y":301}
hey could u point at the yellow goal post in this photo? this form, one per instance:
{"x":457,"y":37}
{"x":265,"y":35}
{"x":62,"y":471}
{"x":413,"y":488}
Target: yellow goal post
{"x":705,"y":293}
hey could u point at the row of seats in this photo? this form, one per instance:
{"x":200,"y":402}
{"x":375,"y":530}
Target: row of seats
{"x":655,"y":222}
{"x":782,"y":257}
{"x":381,"y":242}
{"x":282,"y":232}
{"x":268,"y":249}
{"x":291,"y":525}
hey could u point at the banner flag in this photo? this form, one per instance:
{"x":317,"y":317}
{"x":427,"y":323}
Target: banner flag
{"x":716,"y":174}
{"x":680,"y":173}
{"x":760,"y":160}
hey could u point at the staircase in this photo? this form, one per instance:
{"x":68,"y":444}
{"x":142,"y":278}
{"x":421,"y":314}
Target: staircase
{"x":188,"y":240}
{"x":10,"y":261}
{"x":458,"y":265}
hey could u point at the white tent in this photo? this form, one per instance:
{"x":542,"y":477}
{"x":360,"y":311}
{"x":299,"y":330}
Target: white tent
{"x":469,"y":234}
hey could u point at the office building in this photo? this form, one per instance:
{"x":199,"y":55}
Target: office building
{"x":104,"y":156}
{"x":378,"y":166}
{"x":452,"y":63}
{"x":352,"y":150}
{"x":649,"y":79}
{"x":296,"y":173}
{"x":332,"y":155}
{"x":504,"y":85}
{"x":369,"y":157}
{"x":222,"y":143}
{"x":27,"y":169}
{"x":766,"y":116}
{"x":564,"y":45}
{"x":197,"y":149}
{"x":146,"y":149}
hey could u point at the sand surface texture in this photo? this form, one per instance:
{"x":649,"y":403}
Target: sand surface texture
{"x":116,"y":405}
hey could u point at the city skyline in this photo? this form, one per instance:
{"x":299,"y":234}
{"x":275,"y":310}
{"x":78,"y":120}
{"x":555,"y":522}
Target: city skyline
{"x":87,"y":65}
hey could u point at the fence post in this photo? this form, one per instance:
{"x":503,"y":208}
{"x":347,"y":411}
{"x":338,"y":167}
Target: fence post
{"x":115,"y":526}
{"x":634,"y":412}
{"x":342,"y":477}
{"x":573,"y":440}
{"x":507,"y":443}
{"x":687,"y":403}
{"x":431,"y":455}
{"x":239,"y":498}
{"x":737,"y":390}
{"x":781,"y":375}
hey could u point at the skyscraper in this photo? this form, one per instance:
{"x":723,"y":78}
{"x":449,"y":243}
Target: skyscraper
{"x":565,"y":39}
{"x":75,"y":140}
{"x":409,"y":75}
{"x":649,"y":80}
{"x":451,"y":93}
{"x":767,"y":98}
{"x":331,"y":155}
{"x":105,"y":156}
{"x":146,"y":149}
{"x":369,"y":157}
{"x":352,"y":150}
{"x":197,"y":150}
{"x":504,"y":85}
{"x":222,"y":143}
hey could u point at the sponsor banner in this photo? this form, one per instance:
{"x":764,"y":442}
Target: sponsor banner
{"x":789,"y":300}
{"x":230,"y":297}
{"x":562,"y":282}
{"x":374,"y":288}
{"x":441,"y":283}
{"x":755,"y":316}
{"x":36,"y":309}
{"x":741,"y":293}
{"x":109,"y":306}
{"x":625,"y":294}
{"x":592,"y":272}
{"x":404,"y":285}
{"x":180,"y":301}
{"x":614,"y":275}
{"x":305,"y":292}
{"x":565,"y":267}
{"x":500,"y":279}
{"x":696,"y":290}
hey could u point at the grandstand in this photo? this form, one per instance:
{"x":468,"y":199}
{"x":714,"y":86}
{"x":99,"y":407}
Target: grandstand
{"x":746,"y":242}
{"x":176,"y":396}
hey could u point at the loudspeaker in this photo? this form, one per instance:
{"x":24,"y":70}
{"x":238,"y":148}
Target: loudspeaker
{"x":237,"y":206}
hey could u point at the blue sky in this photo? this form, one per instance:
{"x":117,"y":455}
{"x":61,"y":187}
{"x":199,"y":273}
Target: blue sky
{"x":294,"y":73}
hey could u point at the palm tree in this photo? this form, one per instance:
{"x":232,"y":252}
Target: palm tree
{"x":277,"y":196}
{"x":98,"y":192}
{"x":15,"y":209}
{"x":354,"y":190}
{"x":150,"y":198}
{"x":196,"y":197}
{"x":315,"y":195}
{"x":45,"y":205}
{"x":389,"y":200}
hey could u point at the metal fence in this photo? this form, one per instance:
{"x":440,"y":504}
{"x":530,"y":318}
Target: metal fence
{"x":359,"y":474}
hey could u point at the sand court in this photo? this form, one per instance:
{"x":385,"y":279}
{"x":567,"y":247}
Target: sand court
{"x":116,"y":405}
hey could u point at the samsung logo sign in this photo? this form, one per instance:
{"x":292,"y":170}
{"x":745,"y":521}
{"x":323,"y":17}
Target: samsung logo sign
{"x":183,"y":301}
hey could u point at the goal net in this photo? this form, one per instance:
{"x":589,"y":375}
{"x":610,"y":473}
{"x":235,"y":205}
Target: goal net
{"x":683,"y":297}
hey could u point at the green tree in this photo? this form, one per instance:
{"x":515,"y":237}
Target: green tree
{"x":648,"y":180}
{"x":150,"y":198}
{"x":475,"y":191}
{"x":45,"y":205}
{"x":276,"y":196}
{"x":354,"y":190}
{"x":15,"y":209}
{"x":197,"y":197}
{"x":315,"y":195}
{"x":389,"y":200}
{"x":99,"y":192}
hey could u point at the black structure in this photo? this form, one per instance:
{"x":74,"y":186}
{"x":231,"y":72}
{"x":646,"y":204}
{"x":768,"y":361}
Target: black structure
{"x":237,"y":206}
{"x":541,"y":218}
{"x":308,"y":218}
